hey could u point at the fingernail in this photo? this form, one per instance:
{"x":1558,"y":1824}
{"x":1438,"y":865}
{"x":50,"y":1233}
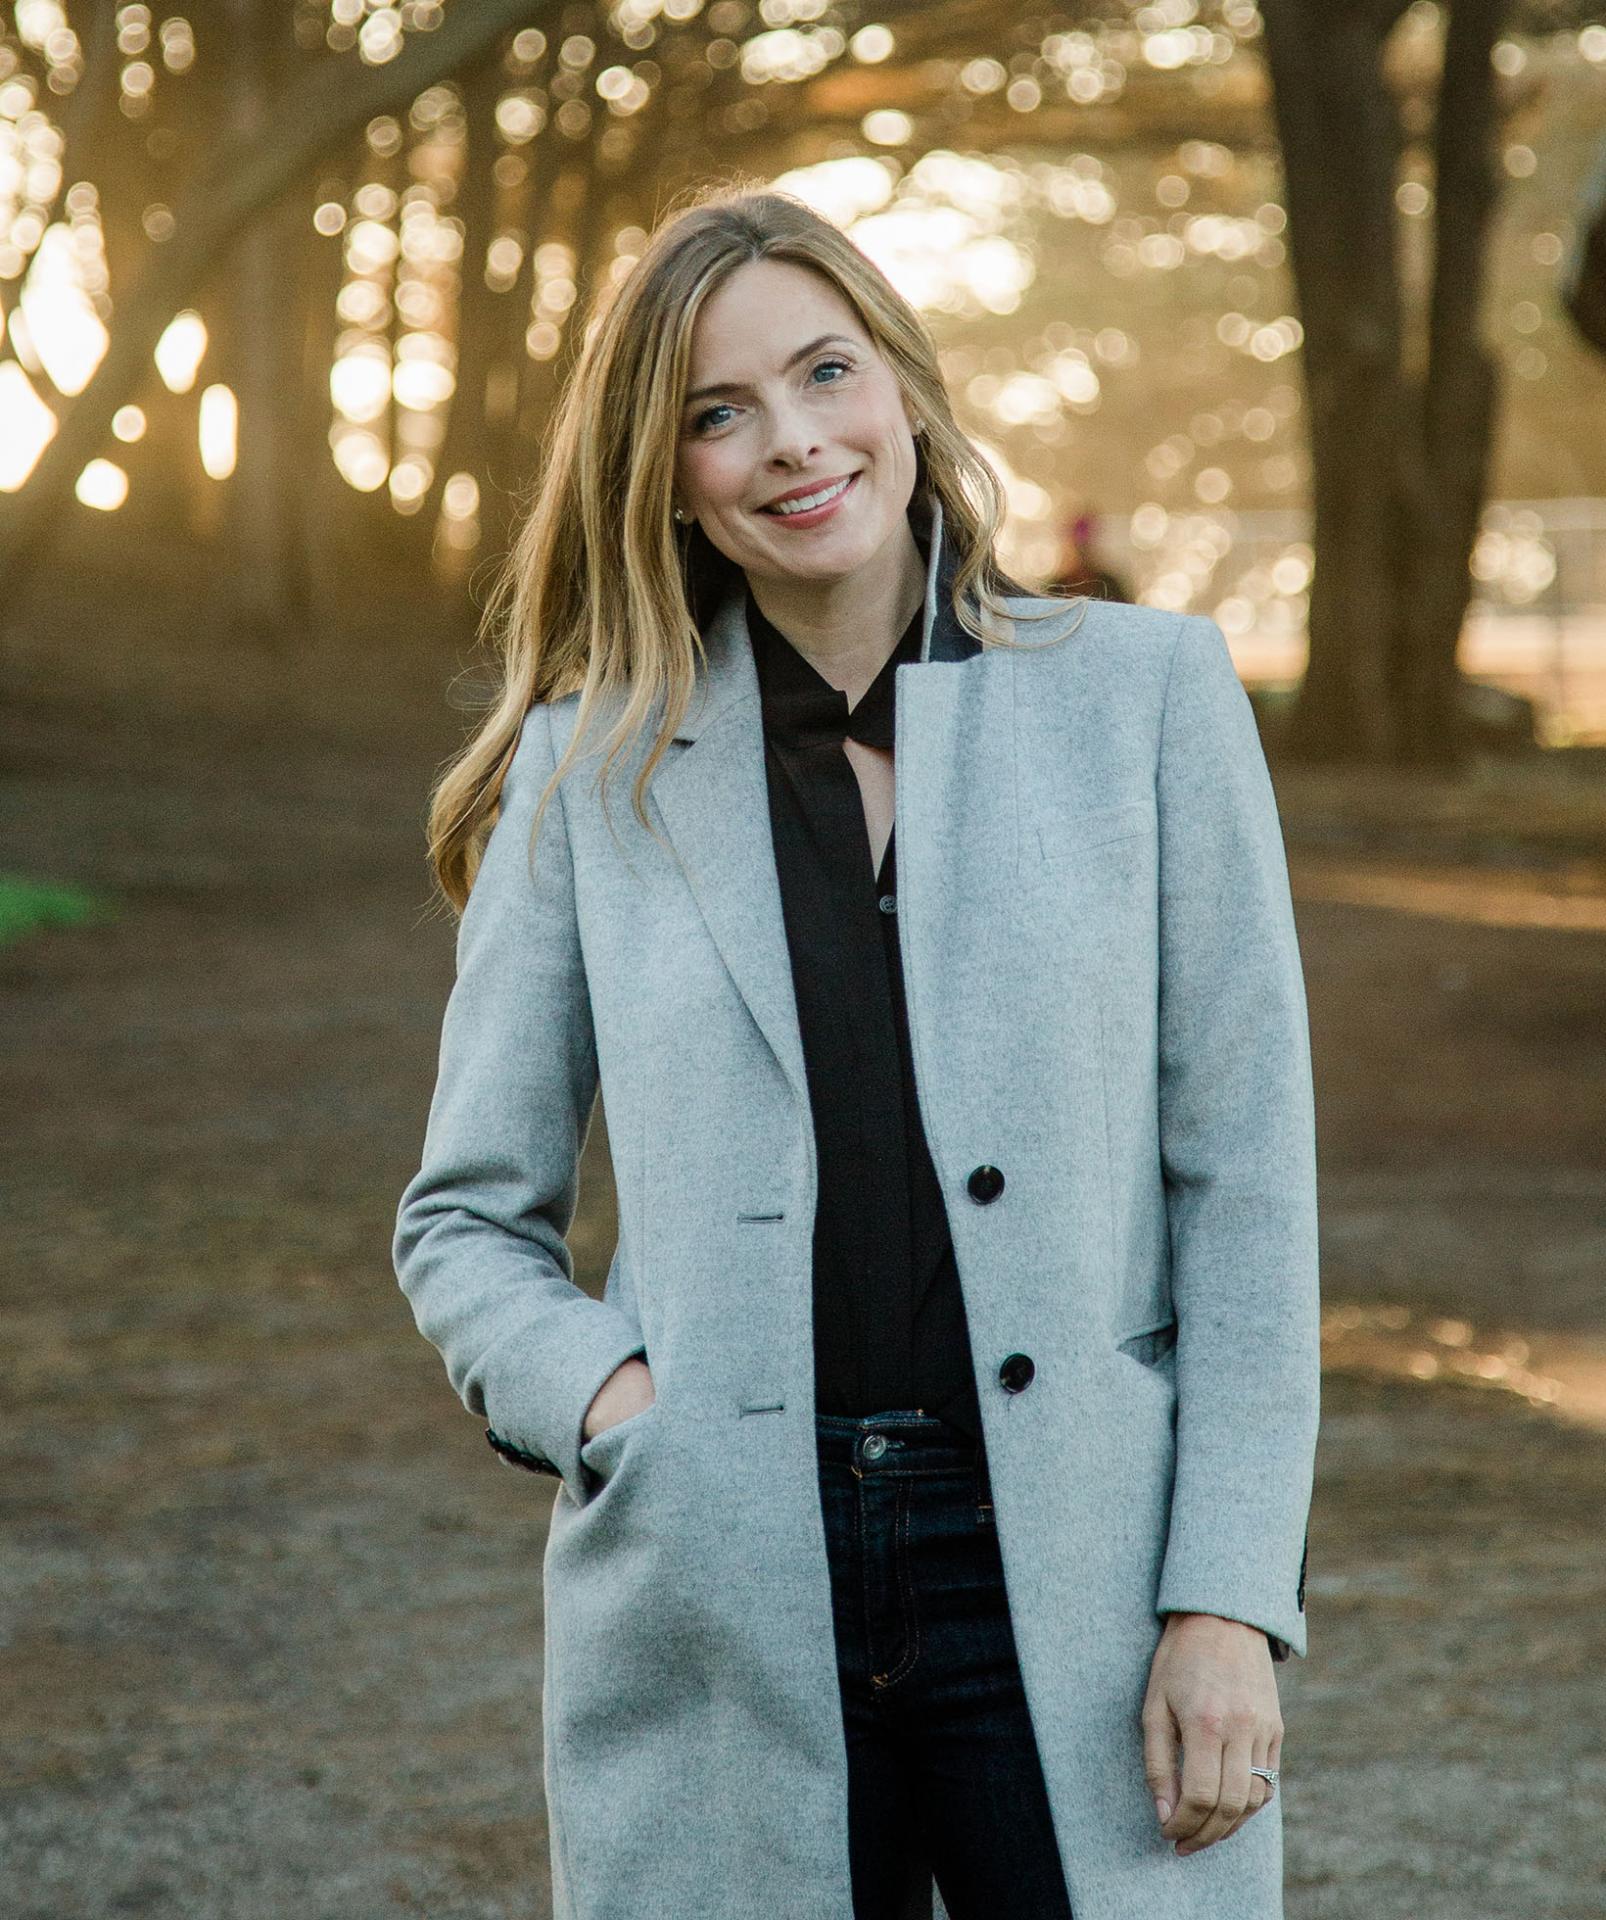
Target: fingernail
{"x":1163,"y":1808}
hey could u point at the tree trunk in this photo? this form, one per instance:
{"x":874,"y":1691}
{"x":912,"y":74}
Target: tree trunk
{"x":465,"y":448}
{"x":261,"y":362}
{"x":1453,"y":420}
{"x":1340,"y":141}
{"x":1399,"y":466}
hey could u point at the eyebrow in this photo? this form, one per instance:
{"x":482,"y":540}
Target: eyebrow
{"x":735,"y":386}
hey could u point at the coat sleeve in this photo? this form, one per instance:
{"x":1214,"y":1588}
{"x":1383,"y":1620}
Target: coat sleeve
{"x":480,"y":1249}
{"x":1238,"y":1155}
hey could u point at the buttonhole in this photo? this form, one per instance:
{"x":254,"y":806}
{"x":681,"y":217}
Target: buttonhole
{"x":744,"y":1217}
{"x":769,"y":1406}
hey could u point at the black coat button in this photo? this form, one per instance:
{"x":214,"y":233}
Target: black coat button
{"x":985,"y":1183}
{"x":1016,"y":1371}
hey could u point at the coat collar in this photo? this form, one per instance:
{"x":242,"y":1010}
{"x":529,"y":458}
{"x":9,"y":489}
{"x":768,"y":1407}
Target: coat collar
{"x":711,"y":790}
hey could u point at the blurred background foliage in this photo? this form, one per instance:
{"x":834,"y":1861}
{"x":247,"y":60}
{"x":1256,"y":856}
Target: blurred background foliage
{"x":1288,"y":304}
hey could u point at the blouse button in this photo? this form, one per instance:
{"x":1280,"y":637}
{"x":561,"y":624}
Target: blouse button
{"x":888,"y":903}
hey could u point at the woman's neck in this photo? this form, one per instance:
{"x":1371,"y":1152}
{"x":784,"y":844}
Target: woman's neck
{"x":847,"y":629}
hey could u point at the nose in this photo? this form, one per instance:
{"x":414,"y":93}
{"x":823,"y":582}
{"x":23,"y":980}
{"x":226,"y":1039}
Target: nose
{"x":792,"y":443}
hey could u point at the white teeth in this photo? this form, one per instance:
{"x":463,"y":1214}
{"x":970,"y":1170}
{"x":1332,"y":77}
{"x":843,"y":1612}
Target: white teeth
{"x":812,"y":499}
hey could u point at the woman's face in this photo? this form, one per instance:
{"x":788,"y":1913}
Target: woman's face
{"x":803,"y":400}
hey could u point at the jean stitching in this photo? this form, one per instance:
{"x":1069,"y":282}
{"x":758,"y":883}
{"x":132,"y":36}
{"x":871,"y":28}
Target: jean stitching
{"x":910,"y":1620}
{"x":876,"y":1679}
{"x":862,"y":1548}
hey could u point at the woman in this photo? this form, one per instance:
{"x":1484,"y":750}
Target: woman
{"x":934,"y":1467}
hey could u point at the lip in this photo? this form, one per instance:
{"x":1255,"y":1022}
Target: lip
{"x":815,"y":514}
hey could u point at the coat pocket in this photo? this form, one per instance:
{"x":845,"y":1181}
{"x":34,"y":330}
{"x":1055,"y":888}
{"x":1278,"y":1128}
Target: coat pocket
{"x":1064,"y":836}
{"x":603,"y":1453}
{"x":1153,"y":1346}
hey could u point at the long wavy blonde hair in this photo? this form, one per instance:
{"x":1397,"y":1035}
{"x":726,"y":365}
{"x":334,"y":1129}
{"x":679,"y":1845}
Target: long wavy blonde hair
{"x":602,"y":591}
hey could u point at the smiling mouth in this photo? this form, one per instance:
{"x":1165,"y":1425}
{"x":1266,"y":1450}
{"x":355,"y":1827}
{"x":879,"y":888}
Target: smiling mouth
{"x":809,"y":502}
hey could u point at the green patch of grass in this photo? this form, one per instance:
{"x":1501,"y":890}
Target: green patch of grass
{"x":28,"y":905}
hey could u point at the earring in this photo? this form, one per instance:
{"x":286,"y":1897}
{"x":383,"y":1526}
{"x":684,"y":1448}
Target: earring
{"x":920,"y":426}
{"x":679,"y":515}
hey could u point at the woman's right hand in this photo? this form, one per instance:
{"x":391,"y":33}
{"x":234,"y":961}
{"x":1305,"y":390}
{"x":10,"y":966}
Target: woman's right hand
{"x":627,"y":1390}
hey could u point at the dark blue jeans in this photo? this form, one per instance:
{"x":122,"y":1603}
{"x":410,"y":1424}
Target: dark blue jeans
{"x":944,"y":1778}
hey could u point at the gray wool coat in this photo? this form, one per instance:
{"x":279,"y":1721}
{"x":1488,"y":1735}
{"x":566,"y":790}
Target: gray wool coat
{"x":1090,"y":859}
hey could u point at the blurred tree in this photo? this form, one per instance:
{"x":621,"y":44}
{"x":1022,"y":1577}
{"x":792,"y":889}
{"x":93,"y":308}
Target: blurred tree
{"x":1401,"y":404}
{"x":259,"y":352}
{"x":1400,"y":434}
{"x":234,"y":181}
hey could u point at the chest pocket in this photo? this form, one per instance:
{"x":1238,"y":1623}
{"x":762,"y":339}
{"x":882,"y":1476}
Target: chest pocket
{"x":1063,"y":836}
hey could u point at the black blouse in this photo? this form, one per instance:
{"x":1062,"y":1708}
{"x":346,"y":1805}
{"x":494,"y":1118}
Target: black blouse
{"x":889,"y":1318}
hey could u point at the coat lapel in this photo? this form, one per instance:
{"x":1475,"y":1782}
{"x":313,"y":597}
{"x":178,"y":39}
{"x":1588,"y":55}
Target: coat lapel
{"x":713,"y":797}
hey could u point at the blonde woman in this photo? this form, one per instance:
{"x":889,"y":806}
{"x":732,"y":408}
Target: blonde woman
{"x":933,"y":1470}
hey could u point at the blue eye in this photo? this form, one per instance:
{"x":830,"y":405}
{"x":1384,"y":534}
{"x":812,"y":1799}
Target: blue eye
{"x":701,"y":420}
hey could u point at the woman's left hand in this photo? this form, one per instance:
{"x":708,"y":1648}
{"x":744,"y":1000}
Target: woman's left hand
{"x":1211,"y":1689}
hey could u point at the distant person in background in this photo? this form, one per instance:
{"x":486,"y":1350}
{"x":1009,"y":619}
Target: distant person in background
{"x":1081,"y":570}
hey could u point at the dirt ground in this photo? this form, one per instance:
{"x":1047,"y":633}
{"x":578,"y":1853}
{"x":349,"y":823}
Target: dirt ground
{"x":269,"y":1607}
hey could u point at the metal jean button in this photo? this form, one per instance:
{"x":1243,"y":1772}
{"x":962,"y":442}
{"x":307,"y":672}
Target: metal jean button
{"x":875,"y":1445}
